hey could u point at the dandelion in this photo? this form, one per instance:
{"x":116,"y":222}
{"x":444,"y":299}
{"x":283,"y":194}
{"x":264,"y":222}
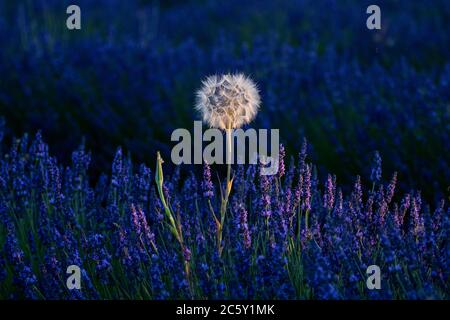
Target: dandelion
{"x":228,"y":101}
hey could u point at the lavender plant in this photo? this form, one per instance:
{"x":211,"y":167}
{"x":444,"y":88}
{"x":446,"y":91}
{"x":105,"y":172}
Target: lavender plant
{"x":137,"y":235}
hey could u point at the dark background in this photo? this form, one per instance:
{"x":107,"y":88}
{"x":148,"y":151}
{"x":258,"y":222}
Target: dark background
{"x":128,"y":78}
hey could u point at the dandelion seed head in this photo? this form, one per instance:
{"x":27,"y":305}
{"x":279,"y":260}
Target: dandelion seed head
{"x":228,"y":101}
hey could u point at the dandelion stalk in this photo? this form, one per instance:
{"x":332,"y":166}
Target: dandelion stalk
{"x":229,"y":184}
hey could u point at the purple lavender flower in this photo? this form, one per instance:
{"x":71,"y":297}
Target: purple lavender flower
{"x":340,"y":203}
{"x":404,"y":206}
{"x":80,"y":164}
{"x":187,"y":253}
{"x":52,"y":271}
{"x":418,"y":222}
{"x":100,"y":256}
{"x":136,"y":221}
{"x":117,"y":169}
{"x":302,"y":156}
{"x":207,"y":185}
{"x":375,"y":175}
{"x":243,"y":223}
{"x":122,"y":249}
{"x":369,"y":207}
{"x":143,"y":183}
{"x":288,"y":202}
{"x":281,"y":167}
{"x":38,"y":149}
{"x":357,"y":192}
{"x":158,"y":285}
{"x":149,"y":236}
{"x":382,"y":204}
{"x":307,"y":189}
{"x":265,"y":201}
{"x":391,"y":188}
{"x":298,"y":192}
{"x":328,"y":198}
{"x":438,"y":216}
{"x":24,"y":278}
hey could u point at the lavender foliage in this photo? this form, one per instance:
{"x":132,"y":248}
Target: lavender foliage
{"x":114,"y":232}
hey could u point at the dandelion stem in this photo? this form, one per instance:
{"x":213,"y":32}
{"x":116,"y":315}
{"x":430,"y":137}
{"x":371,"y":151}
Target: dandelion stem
{"x":229,"y":183}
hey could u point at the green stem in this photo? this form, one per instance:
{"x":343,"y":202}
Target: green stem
{"x":175,"y":226}
{"x":223,"y":207}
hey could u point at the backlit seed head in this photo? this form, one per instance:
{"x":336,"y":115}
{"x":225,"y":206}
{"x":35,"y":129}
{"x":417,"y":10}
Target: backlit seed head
{"x":228,"y":101}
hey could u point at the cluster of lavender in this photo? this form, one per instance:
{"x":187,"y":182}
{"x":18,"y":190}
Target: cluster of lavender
{"x":131,"y":84}
{"x":285,"y":236}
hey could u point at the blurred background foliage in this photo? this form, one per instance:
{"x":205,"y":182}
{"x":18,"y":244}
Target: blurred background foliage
{"x":128,"y":78}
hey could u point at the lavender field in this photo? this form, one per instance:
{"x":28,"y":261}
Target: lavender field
{"x":86,"y":176}
{"x":288,"y":236}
